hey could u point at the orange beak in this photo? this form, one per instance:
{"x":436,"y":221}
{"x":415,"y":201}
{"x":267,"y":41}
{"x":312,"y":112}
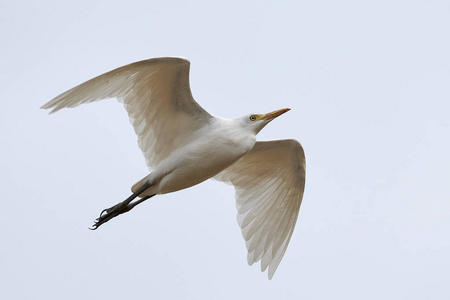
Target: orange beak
{"x":272,"y":115}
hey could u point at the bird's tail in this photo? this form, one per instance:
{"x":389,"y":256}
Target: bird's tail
{"x":148,"y":192}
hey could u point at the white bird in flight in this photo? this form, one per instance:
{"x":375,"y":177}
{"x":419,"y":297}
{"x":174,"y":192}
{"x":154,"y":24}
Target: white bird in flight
{"x":184,"y":145}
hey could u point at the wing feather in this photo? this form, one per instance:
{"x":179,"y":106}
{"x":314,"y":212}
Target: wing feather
{"x":157,"y":97}
{"x":269,"y":183}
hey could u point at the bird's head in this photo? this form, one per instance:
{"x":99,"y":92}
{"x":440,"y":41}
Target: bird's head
{"x":256,"y":122}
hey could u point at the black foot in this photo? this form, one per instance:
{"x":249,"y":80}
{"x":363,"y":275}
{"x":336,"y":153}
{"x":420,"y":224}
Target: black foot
{"x":114,"y":211}
{"x":109,"y":213}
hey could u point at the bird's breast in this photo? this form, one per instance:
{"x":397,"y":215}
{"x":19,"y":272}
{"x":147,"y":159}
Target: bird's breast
{"x":203,"y":159}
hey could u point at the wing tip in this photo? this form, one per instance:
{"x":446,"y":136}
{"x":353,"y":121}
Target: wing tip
{"x":45,"y":107}
{"x":51,"y":106}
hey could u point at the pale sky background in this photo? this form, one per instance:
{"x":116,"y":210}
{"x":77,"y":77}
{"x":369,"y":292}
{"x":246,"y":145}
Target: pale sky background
{"x":369,"y":88}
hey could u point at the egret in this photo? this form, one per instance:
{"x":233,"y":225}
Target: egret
{"x":184,"y":145}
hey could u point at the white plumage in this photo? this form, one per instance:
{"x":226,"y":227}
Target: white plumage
{"x":184,"y":145}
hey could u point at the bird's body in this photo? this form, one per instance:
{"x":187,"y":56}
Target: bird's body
{"x":184,"y":145}
{"x":212,"y":149}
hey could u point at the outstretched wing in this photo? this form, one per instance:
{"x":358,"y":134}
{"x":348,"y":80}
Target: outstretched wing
{"x":269,"y":182}
{"x":157,"y":97}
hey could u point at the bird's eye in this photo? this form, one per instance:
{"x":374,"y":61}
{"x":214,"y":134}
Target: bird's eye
{"x":252,"y":118}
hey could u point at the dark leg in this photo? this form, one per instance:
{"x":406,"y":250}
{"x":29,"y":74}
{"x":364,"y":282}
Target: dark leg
{"x":120,"y":208}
